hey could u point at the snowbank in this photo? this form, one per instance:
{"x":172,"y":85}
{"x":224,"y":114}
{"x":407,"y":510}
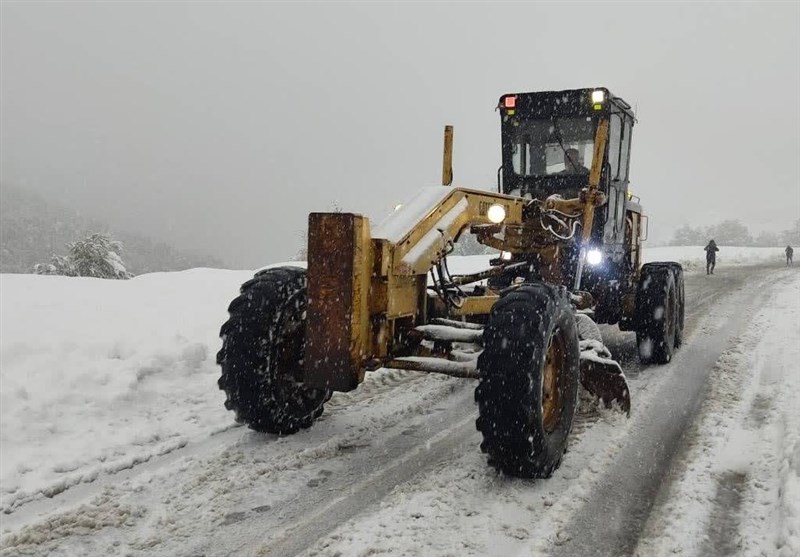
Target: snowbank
{"x":100,"y":374}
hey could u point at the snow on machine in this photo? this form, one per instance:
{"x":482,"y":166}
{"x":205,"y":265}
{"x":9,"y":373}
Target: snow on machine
{"x":569,"y":236}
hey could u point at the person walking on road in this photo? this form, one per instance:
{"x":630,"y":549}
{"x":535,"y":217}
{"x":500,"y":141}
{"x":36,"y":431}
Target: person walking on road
{"x":789,"y":253}
{"x":711,"y":257}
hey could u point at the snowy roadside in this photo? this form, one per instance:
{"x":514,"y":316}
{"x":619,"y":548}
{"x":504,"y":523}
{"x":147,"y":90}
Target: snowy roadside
{"x":737,"y":489}
{"x":99,"y":375}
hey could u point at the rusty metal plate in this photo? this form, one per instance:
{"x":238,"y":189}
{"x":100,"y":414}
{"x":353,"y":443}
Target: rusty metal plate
{"x":329,"y":325}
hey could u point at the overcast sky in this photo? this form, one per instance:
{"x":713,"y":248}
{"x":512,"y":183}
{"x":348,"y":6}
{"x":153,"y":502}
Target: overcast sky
{"x":220,"y":126}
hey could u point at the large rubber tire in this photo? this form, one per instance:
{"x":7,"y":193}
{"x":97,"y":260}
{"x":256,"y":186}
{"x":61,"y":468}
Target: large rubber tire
{"x":263,"y":344}
{"x":680,"y":302}
{"x":531,"y":330}
{"x":677,"y":272}
{"x":657,"y":314}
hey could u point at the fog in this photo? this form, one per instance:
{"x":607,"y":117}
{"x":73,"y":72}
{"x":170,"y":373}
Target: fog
{"x":219,"y":127}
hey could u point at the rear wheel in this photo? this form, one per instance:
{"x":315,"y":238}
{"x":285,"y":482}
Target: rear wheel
{"x":680,"y":306}
{"x":263,"y":344}
{"x":528,"y":387}
{"x":658,"y":314}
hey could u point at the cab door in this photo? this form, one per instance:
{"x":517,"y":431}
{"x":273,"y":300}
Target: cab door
{"x":618,"y":163}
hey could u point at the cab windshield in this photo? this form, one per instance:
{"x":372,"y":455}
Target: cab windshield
{"x":555,"y":146}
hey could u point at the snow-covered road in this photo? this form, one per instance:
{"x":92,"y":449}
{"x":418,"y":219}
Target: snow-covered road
{"x":134,"y":454}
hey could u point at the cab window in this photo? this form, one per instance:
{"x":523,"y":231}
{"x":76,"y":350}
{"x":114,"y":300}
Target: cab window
{"x":541,"y":147}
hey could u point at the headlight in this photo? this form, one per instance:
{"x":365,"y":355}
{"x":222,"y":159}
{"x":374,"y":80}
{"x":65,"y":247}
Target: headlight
{"x":598,"y":96}
{"x":496,"y":213}
{"x":594,"y":257}
{"x":505,"y":255}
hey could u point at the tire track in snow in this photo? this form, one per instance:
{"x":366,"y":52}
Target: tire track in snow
{"x":82,"y":487}
{"x":722,"y":535}
{"x":366,"y":482}
{"x":227,"y":473}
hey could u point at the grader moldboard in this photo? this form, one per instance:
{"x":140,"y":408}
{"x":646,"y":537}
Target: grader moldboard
{"x":569,"y":235}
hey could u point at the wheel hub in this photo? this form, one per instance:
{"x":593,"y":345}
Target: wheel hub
{"x":555,"y":360}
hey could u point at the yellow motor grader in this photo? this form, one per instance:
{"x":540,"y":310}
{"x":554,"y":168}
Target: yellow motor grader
{"x":568,"y":237}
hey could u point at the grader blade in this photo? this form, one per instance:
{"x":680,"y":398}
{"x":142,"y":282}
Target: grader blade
{"x":600,"y":374}
{"x":604,"y":379}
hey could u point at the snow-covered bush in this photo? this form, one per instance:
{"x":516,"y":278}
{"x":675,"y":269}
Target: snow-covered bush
{"x":59,"y":265}
{"x":95,"y":256}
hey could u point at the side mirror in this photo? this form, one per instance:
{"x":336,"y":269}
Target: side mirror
{"x":643,"y":228}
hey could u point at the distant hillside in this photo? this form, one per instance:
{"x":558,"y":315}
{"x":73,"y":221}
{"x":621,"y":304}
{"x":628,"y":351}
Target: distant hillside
{"x":32,"y":229}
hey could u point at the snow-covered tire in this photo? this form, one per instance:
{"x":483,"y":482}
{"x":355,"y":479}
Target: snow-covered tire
{"x":677,"y":272}
{"x":263,"y":344}
{"x":658,"y":314}
{"x":528,"y":387}
{"x":680,"y":303}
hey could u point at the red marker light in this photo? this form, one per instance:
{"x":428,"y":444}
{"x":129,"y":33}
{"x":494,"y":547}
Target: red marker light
{"x":510,"y":102}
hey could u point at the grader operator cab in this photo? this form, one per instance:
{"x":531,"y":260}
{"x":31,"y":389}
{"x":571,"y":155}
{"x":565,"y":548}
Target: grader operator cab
{"x":568,"y":235}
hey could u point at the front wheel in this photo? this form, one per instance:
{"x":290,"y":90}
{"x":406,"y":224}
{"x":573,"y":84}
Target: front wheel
{"x":528,"y":387}
{"x":263,"y":344}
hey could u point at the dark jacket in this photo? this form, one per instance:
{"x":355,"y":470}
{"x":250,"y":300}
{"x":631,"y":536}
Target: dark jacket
{"x":580,"y":170}
{"x":711,"y":251}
